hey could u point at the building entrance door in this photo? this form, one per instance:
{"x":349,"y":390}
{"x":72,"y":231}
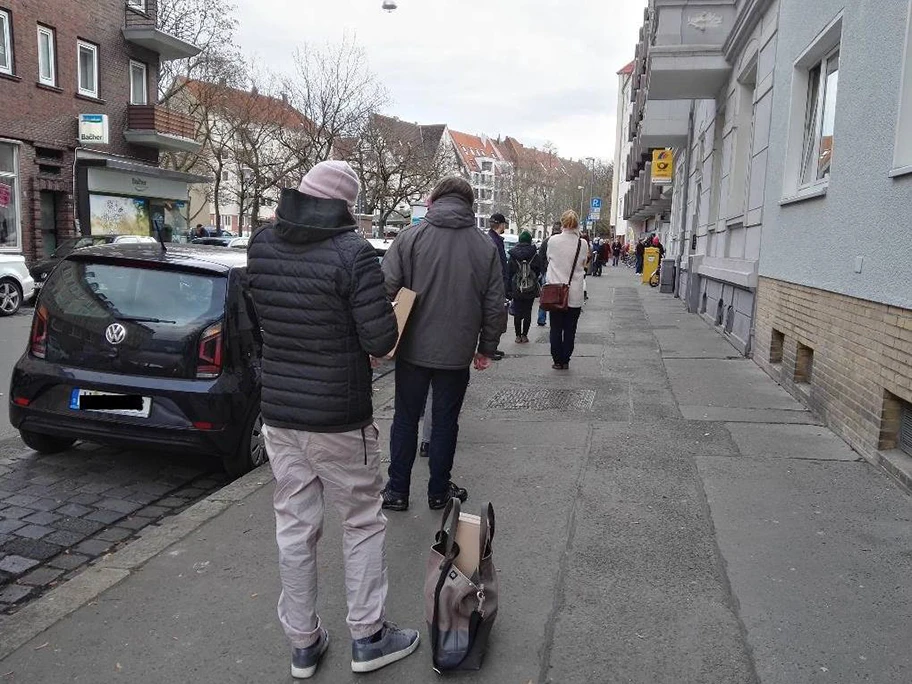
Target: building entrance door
{"x":48,"y":201}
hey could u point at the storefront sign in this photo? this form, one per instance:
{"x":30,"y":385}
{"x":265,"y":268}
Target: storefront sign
{"x":93,"y":129}
{"x":114,"y":182}
{"x":662,"y":167}
{"x":6,"y":194}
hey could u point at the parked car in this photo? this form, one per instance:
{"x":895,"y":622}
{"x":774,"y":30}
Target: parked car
{"x":381,"y":246}
{"x":16,"y":283}
{"x":222,"y":241}
{"x":41,"y":270}
{"x":137,"y":347}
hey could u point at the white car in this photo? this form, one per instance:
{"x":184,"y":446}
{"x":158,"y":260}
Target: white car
{"x":16,"y":284}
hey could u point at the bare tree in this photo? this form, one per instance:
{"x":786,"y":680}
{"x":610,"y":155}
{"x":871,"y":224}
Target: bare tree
{"x":335,"y":90}
{"x":397,"y":162}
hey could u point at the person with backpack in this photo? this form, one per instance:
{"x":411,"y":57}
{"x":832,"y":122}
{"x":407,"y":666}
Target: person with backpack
{"x":525,"y":270}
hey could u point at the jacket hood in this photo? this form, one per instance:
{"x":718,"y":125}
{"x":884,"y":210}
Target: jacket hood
{"x":523,"y":252}
{"x":305,"y":219}
{"x":450,"y":211}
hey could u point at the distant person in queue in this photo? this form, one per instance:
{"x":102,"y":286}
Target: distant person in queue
{"x":567,"y":256}
{"x":525,"y":277}
{"x":319,"y":296}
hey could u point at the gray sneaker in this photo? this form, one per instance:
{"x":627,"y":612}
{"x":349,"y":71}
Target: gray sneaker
{"x":304,"y":661}
{"x":382,"y":649}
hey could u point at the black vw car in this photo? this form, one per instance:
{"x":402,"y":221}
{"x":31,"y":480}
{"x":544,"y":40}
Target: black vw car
{"x":140,"y":347}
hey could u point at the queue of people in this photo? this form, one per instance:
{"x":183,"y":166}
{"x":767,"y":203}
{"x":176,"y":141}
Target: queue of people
{"x":324,"y":306}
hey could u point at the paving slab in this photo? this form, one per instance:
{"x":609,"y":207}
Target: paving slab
{"x":810,"y":442}
{"x":727,"y":383}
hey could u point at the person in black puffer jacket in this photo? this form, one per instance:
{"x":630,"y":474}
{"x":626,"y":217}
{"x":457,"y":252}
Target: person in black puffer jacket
{"x":524,"y":293}
{"x":321,"y":303}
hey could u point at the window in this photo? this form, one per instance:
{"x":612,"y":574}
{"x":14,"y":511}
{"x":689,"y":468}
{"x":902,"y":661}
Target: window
{"x":6,"y":43}
{"x":226,"y":175}
{"x":87,"y":61}
{"x":138,"y":84}
{"x":9,"y":197}
{"x":47,"y":57}
{"x":137,"y":5}
{"x":227,"y":220}
{"x":902,"y":151}
{"x":817,"y":148}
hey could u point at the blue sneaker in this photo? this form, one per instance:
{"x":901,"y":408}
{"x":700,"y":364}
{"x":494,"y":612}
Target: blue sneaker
{"x":304,"y":661}
{"x":384,"y":648}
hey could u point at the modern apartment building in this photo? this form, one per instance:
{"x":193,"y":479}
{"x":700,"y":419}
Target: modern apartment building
{"x":790,"y":123}
{"x":619,"y":182}
{"x":80,"y":131}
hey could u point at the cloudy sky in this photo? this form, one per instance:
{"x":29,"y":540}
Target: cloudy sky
{"x":539,"y":70}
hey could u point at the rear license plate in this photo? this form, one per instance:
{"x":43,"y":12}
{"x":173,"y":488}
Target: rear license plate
{"x":107,"y":402}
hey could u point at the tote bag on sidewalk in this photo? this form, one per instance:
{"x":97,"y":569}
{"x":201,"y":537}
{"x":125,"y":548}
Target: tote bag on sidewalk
{"x":556,"y":296}
{"x":460,"y":606}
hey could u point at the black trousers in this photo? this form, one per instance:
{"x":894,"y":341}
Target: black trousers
{"x":563,"y":334}
{"x":522,"y":315}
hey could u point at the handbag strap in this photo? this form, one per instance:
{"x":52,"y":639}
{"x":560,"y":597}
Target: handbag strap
{"x":579,"y":246}
{"x":451,"y":513}
{"x":486,"y":533}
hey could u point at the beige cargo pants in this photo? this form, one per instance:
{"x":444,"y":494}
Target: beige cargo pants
{"x":346,"y":467}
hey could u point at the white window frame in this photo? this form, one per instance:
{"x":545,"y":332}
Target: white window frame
{"x":52,"y":67}
{"x":139,"y":5}
{"x":227,"y":220}
{"x":902,"y":148}
{"x":826,"y":44}
{"x":91,"y":47}
{"x":6,"y":35}
{"x":145,"y":82}
{"x":12,"y":179}
{"x":811,"y":139}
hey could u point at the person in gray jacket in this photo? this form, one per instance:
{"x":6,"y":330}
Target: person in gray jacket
{"x":457,"y":320}
{"x":319,"y":298}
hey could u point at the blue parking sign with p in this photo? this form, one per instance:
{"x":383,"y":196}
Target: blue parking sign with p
{"x":596,"y":202}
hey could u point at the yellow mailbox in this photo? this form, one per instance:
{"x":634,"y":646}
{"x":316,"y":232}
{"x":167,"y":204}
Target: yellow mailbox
{"x":650,"y":262}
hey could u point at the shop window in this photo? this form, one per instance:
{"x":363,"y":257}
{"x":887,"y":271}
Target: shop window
{"x":6,"y":43}
{"x":139,"y":83}
{"x":10,"y":237}
{"x":804,"y":364}
{"x":87,"y":66}
{"x":47,"y":56}
{"x":902,"y":151}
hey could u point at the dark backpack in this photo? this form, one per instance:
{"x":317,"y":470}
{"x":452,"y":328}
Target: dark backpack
{"x":525,"y":282}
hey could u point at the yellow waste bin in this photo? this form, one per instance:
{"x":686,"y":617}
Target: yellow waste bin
{"x":650,"y":262}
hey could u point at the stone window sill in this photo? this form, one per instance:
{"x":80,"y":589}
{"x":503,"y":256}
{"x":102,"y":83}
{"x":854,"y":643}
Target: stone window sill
{"x":804,"y":194}
{"x":900,"y":171}
{"x":89,"y":98}
{"x":53,"y":89}
{"x":10,"y":77}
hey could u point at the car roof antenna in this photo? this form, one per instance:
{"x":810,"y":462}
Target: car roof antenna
{"x":157,"y":222}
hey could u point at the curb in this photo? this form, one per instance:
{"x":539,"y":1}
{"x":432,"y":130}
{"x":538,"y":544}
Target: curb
{"x":24,"y":625}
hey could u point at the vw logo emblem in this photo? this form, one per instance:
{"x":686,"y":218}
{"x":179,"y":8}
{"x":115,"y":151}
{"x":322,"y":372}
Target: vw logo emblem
{"x":116,"y":333}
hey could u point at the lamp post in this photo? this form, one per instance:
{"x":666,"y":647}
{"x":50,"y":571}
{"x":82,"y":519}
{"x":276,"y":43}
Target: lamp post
{"x":389,"y":5}
{"x":581,"y":188}
{"x":591,"y":166}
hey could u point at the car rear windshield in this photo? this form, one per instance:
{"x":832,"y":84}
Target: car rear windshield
{"x":102,"y":290}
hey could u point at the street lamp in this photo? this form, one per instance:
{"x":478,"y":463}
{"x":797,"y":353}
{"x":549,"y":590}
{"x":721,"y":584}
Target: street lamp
{"x":582,"y":209}
{"x":389,"y":5}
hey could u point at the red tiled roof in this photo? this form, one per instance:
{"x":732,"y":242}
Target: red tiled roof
{"x":628,"y":69}
{"x":246,"y":102}
{"x":469,"y":147}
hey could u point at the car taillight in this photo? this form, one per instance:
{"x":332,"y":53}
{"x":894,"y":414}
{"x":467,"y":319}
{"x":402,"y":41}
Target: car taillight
{"x":38,"y":345}
{"x":209,"y":358}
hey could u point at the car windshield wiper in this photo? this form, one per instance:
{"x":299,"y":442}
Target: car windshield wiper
{"x":142,"y":319}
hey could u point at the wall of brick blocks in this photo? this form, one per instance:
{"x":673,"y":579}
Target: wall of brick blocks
{"x":860,"y":360}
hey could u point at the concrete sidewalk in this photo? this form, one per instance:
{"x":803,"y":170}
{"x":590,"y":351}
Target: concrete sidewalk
{"x":666,"y":513}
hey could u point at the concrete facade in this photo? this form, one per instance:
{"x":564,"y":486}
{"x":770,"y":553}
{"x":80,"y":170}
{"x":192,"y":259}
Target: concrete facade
{"x":836,"y":288}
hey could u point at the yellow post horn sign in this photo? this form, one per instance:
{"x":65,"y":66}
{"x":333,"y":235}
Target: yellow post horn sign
{"x":662,"y":167}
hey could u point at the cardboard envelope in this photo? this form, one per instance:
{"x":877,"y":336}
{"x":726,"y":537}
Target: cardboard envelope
{"x":468,"y":537}
{"x":402,"y":306}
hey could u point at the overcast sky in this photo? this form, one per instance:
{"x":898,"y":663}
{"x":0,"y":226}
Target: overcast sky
{"x":539,"y":70}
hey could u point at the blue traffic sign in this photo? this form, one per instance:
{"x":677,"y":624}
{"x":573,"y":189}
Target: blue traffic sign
{"x":596,"y":202}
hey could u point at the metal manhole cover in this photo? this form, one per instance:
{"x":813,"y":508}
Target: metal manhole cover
{"x":542,"y":400}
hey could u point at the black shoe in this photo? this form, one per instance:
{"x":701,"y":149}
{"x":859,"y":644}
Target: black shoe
{"x":435,"y":503}
{"x":393,"y":501}
{"x":498,"y":355}
{"x":423,"y":449}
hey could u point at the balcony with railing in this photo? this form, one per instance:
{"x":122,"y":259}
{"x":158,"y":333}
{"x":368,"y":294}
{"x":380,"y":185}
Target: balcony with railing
{"x":684,"y":46}
{"x":645,"y":200}
{"x":161,"y":128}
{"x":143,"y":27}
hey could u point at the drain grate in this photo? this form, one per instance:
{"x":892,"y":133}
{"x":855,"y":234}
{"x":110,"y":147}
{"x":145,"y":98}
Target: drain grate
{"x":543,"y":400}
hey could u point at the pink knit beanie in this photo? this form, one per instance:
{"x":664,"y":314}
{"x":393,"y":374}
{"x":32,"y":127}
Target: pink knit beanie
{"x":331,"y":180}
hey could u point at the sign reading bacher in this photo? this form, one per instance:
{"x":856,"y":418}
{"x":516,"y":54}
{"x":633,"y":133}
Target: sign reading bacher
{"x":662,"y":167}
{"x":93,"y":128}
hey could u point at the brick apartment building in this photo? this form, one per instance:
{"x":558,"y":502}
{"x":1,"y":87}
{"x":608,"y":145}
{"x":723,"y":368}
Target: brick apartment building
{"x":80,"y":133}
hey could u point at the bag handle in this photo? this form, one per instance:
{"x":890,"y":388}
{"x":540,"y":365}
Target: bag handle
{"x":579,"y":246}
{"x":486,"y":534}
{"x":451,"y":513}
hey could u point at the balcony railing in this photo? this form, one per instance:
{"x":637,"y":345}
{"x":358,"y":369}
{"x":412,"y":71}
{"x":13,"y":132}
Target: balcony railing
{"x":144,"y":26}
{"x":161,"y":128}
